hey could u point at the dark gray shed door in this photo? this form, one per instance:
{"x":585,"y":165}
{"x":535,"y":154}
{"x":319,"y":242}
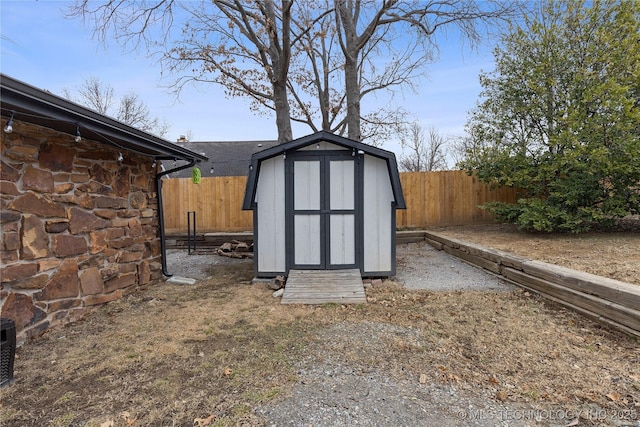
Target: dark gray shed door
{"x":323,"y":220}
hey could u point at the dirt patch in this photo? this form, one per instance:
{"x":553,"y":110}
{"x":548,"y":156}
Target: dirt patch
{"x":609,"y":254}
{"x":224,"y":352}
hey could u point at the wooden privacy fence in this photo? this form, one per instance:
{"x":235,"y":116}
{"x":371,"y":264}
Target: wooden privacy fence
{"x":446,"y":198}
{"x":433,"y":199}
{"x":217,"y":202}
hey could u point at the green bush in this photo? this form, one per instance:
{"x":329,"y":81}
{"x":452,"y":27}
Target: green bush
{"x":560,"y":117}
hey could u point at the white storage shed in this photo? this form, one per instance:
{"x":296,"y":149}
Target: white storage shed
{"x":324,"y":202}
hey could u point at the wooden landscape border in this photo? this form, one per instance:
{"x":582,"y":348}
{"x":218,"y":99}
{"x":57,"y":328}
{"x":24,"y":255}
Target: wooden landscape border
{"x":606,"y":300}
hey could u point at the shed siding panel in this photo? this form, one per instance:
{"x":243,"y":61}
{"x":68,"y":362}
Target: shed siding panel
{"x":307,"y":239}
{"x":378,"y":196}
{"x":341,"y":193}
{"x":342,"y":238}
{"x":270,"y":197}
{"x":306,"y":185}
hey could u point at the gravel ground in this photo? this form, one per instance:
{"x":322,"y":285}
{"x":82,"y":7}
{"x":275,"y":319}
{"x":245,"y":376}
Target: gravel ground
{"x":419,"y":266}
{"x":197,"y":265}
{"x":333,"y":392}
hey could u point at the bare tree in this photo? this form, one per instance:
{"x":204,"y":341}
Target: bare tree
{"x":367,"y":30}
{"x":466,"y":148}
{"x":130,"y":109}
{"x":423,"y":155}
{"x":243,"y":46}
{"x":95,"y":94}
{"x":133,"y":111}
{"x":315,"y":77}
{"x":308,"y":62}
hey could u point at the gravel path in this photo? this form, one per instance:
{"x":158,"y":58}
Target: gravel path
{"x":333,"y":392}
{"x":421,"y":266}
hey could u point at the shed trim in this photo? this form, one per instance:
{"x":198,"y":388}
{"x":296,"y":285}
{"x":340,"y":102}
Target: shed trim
{"x":254,"y":170}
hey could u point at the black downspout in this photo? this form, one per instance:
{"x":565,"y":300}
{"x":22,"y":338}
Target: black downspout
{"x":163,"y":245}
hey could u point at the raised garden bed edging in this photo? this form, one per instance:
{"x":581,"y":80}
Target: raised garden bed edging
{"x":607,"y":300}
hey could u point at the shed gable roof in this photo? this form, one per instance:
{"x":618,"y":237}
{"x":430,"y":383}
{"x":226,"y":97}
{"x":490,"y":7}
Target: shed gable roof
{"x":322,"y":136}
{"x":30,"y":104}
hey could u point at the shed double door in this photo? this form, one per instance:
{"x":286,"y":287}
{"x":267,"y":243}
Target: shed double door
{"x":323,"y":214}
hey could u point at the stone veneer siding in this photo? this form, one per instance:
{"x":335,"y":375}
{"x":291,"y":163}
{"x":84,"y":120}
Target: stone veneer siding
{"x":79,"y":228}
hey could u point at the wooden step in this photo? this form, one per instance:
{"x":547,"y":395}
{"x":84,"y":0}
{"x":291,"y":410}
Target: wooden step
{"x":324,"y":286}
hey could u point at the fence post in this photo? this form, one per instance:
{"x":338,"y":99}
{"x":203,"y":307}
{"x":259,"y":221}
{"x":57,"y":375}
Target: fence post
{"x":189,"y":231}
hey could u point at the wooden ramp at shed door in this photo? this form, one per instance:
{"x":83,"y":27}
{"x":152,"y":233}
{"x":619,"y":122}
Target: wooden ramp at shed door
{"x":322,"y":286}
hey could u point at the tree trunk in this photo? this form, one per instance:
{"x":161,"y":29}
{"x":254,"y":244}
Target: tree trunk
{"x":283,"y":117}
{"x":280,"y":53}
{"x":352,"y":90}
{"x":350,"y":49}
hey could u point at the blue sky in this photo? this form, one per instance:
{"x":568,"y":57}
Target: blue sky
{"x":43,"y":48}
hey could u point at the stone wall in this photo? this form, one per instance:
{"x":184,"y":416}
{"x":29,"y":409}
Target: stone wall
{"x":79,"y":228}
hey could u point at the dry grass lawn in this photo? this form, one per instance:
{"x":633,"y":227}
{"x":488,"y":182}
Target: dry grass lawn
{"x":210,"y":354}
{"x":609,"y":254}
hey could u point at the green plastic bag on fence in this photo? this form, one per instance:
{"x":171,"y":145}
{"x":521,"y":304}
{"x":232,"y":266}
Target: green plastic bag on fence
{"x":196,"y":175}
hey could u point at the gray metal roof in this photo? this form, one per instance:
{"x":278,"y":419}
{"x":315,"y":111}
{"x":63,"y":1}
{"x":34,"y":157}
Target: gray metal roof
{"x":226,"y":158}
{"x":257,"y":158}
{"x":32,"y":105}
